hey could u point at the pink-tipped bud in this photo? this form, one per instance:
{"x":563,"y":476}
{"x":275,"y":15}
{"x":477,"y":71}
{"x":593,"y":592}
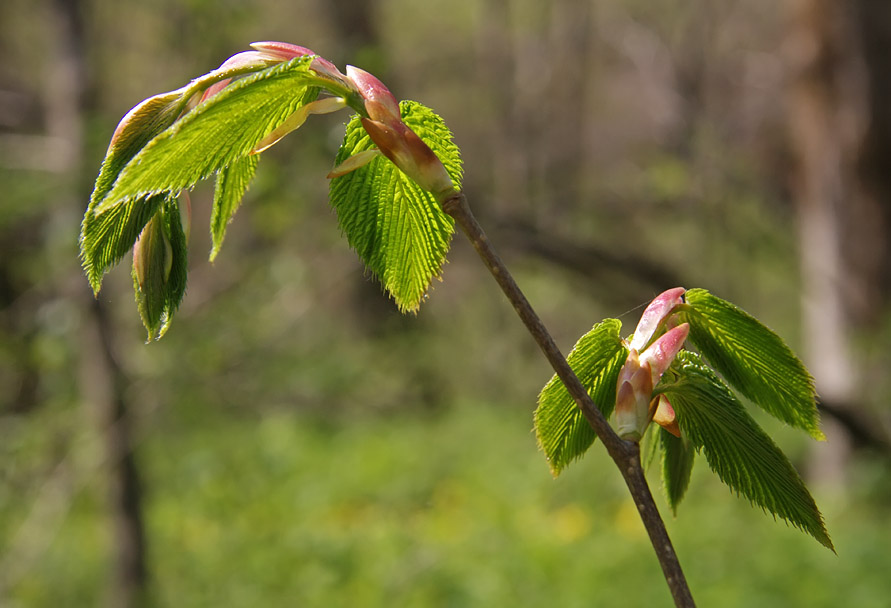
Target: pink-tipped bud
{"x":657,"y":311}
{"x":380,"y":103}
{"x":281,"y":51}
{"x":266,"y":54}
{"x":662,"y":352}
{"x":635,"y":405}
{"x":634,"y":392}
{"x":284,"y":51}
{"x":413,"y":157}
{"x":395,"y":139}
{"x":665,"y":417}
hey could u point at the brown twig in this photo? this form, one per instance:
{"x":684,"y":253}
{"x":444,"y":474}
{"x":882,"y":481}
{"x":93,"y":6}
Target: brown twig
{"x":625,"y":454}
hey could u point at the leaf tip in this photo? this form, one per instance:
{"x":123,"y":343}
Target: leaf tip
{"x":94,"y":277}
{"x":554,"y":466}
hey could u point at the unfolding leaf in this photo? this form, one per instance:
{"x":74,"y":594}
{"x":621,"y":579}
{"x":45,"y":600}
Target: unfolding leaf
{"x":216,"y":133}
{"x":677,"y":465}
{"x":136,"y":129}
{"x":398,"y":229}
{"x":232,"y":182}
{"x":753,"y":359}
{"x":737,"y":449}
{"x":107,"y":237}
{"x":153,"y":155}
{"x":160,"y":265}
{"x":563,"y":432}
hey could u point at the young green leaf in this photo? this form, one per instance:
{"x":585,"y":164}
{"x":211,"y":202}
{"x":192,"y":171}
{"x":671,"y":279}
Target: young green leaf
{"x":232,"y":183}
{"x":562,"y":430}
{"x":216,"y":133}
{"x":107,"y":237}
{"x":737,"y":449}
{"x":136,"y":129}
{"x":753,"y":359}
{"x":398,"y":229}
{"x":160,"y":265}
{"x":677,"y":464}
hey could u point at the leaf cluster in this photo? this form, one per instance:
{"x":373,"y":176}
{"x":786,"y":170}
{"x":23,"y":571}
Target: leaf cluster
{"x":712,"y":420}
{"x":169,"y":142}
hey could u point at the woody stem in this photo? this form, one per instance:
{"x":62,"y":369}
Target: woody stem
{"x":625,"y":454}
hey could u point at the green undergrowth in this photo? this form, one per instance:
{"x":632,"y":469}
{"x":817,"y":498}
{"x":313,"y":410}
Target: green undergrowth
{"x":447,"y":508}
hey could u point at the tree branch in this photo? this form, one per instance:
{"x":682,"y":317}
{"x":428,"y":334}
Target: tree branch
{"x":625,"y":454}
{"x":587,"y":259}
{"x":865,"y":430}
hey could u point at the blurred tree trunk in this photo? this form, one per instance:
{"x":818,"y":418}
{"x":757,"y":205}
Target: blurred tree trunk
{"x":874,"y":161}
{"x":103,"y":387}
{"x":102,"y":380}
{"x":562,"y":126}
{"x":507,"y":139}
{"x":839,"y":114}
{"x":533,"y":60}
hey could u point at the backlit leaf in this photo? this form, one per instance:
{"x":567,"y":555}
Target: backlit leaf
{"x":677,"y":465}
{"x":107,"y":237}
{"x":153,"y":155}
{"x":753,"y":359}
{"x":232,"y":182}
{"x":737,"y":449}
{"x":398,"y":229}
{"x":216,"y":133}
{"x":563,"y":432}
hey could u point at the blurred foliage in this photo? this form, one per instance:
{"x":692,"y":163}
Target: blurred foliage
{"x":303,"y":442}
{"x":437,"y":509}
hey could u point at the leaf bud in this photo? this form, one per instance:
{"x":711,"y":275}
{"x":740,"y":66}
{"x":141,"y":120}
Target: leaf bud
{"x":395,"y":139}
{"x":654,"y":315}
{"x":635,"y":403}
{"x":152,"y":255}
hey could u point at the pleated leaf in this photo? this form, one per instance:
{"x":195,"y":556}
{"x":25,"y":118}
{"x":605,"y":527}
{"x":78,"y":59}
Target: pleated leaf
{"x":141,"y":124}
{"x":677,"y":465}
{"x":753,"y":359}
{"x":156,"y":154}
{"x":107,"y":237}
{"x":217,"y":132}
{"x":232,"y":183}
{"x":160,"y":266}
{"x":563,"y":432}
{"x":737,"y":449}
{"x":398,"y":230}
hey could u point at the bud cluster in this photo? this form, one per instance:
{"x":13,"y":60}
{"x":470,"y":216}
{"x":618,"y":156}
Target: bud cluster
{"x":654,"y":345}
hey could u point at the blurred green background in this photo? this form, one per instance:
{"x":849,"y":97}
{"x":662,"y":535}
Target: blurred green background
{"x":294,"y":441}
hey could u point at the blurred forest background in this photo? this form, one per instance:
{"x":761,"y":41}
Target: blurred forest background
{"x":294,"y":441}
